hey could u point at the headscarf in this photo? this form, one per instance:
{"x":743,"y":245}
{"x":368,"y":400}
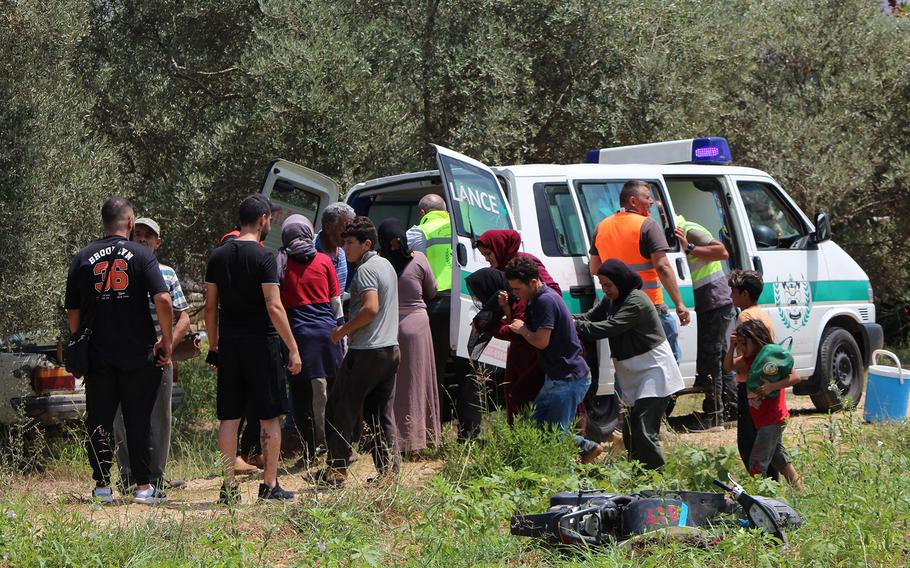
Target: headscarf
{"x":389,"y":230}
{"x":624,"y":278}
{"x":297,"y":242}
{"x":503,"y":242}
{"x":485,"y":285}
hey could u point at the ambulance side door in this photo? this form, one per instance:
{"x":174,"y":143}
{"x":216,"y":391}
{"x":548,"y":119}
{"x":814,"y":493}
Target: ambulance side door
{"x":477,"y":204}
{"x":297,"y":190}
{"x":777,"y":238}
{"x":598,"y":199}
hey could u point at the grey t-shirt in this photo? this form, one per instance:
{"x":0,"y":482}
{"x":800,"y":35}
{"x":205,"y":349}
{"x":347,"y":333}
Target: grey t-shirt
{"x":375,"y":273}
{"x":714,"y":294}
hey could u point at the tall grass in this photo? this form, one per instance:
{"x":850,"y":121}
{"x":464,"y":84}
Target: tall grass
{"x":855,"y":506}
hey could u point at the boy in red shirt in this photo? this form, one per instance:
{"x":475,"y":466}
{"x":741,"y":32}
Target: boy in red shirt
{"x":769,"y":413}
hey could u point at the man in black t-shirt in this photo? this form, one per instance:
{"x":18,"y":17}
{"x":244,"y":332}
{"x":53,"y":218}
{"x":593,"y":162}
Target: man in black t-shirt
{"x":107,"y":291}
{"x":244,"y":318}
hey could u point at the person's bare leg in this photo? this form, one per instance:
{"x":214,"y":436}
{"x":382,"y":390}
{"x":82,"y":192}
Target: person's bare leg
{"x":270,"y":440}
{"x":789,"y":473}
{"x":227,"y":443}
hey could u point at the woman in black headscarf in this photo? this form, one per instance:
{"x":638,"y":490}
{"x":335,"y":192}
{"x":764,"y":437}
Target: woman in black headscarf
{"x":646,"y":371}
{"x":311,"y":296}
{"x":416,"y":399}
{"x":524,"y":377}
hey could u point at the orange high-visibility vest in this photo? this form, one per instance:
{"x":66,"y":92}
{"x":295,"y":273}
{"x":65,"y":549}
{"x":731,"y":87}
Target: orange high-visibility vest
{"x":619,"y":236}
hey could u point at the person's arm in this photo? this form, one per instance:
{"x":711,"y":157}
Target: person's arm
{"x":597,"y":313}
{"x":428,"y":284}
{"x":730,"y":358}
{"x":180,"y":310}
{"x":710,"y":250}
{"x":595,"y":264}
{"x":211,"y":315}
{"x":368,"y":311}
{"x":71,"y":299}
{"x":625,"y":319}
{"x":334,"y":283}
{"x":668,"y":279}
{"x":417,"y":241}
{"x":539,"y":339}
{"x":73,"y":316}
{"x":181,"y":328}
{"x":280,"y":320}
{"x":735,"y":363}
{"x":767,"y":388}
{"x":164,"y":308}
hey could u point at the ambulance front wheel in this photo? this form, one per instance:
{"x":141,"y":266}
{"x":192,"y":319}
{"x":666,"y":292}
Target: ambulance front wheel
{"x":839,"y":371}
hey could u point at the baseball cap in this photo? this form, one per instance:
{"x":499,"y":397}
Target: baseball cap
{"x":150,"y":223}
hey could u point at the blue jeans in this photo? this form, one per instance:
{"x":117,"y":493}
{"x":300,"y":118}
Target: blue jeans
{"x":557,"y":402}
{"x":671,"y":330}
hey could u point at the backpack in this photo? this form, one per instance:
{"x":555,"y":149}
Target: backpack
{"x":773,"y":363}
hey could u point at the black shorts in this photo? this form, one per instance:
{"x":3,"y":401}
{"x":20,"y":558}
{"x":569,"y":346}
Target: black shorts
{"x":251,"y":375}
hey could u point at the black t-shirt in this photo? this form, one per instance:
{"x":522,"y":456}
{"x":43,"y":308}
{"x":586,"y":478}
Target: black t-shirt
{"x":110,"y":282}
{"x":239,"y":269}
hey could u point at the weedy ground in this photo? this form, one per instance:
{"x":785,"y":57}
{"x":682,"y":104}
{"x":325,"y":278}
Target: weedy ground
{"x":451,"y":509}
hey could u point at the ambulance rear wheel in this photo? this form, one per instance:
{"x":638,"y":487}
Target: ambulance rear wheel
{"x":839,"y":371}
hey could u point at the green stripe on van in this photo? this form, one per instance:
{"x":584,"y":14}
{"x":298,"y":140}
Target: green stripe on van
{"x":824,"y":291}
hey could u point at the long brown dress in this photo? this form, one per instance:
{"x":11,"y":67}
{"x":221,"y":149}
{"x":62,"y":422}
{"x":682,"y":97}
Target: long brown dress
{"x":416,"y":393}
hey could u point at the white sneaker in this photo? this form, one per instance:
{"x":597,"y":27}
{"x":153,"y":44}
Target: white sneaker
{"x":150,"y":496}
{"x":103,"y":495}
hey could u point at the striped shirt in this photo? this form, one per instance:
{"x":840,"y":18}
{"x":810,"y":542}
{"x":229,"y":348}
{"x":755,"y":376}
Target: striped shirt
{"x":177,"y":298}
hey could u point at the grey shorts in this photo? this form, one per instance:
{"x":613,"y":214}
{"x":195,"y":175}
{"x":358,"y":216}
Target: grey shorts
{"x":768,"y":449}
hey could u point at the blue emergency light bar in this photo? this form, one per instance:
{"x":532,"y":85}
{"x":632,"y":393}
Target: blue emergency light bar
{"x":711,"y":150}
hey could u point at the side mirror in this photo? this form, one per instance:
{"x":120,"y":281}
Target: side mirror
{"x":822,"y":228}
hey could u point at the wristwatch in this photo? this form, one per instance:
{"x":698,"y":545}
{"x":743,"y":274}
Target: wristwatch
{"x":690,"y":248}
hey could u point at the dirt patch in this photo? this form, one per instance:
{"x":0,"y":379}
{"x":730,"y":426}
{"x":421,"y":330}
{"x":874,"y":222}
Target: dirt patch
{"x":803,"y":418}
{"x":199,"y":498}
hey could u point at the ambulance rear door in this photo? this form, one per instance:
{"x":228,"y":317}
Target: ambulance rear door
{"x":297,"y":190}
{"x":477,"y":204}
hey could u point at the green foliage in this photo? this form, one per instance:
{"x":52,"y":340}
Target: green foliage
{"x":199,"y":384}
{"x":180,"y":105}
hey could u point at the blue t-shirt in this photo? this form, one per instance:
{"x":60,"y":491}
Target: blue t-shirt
{"x":562,"y":358}
{"x":340,"y":263}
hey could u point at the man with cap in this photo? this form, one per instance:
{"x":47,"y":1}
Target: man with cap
{"x":246,"y":324}
{"x":147,"y":232}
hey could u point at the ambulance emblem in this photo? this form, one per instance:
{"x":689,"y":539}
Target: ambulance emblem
{"x":793,"y":299}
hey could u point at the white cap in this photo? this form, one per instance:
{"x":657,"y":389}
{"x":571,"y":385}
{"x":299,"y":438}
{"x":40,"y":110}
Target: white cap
{"x":150,"y":223}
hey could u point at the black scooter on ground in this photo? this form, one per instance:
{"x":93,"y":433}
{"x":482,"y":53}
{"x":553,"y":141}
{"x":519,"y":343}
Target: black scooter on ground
{"x":597,"y":518}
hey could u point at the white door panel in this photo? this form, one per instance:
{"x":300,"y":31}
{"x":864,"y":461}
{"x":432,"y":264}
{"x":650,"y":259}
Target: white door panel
{"x":774,"y":227}
{"x":298,"y":190}
{"x":477,"y":204}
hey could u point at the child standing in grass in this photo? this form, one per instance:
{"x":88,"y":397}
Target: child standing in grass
{"x":767,"y":402}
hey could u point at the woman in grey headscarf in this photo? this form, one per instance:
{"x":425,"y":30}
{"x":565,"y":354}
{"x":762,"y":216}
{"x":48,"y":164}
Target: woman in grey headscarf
{"x":312,"y":297}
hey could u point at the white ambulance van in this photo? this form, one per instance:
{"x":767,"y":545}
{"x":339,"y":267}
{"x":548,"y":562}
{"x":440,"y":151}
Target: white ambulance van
{"x":814,"y":291}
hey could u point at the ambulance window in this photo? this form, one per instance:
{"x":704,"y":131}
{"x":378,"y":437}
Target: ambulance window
{"x":404,"y":212}
{"x":774,"y":224}
{"x":600,"y":199}
{"x":479,"y":205}
{"x":293,"y":199}
{"x":558,"y":221}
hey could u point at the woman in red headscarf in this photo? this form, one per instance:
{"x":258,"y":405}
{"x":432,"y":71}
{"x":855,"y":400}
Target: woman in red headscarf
{"x":499,"y":246}
{"x":524,"y":377}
